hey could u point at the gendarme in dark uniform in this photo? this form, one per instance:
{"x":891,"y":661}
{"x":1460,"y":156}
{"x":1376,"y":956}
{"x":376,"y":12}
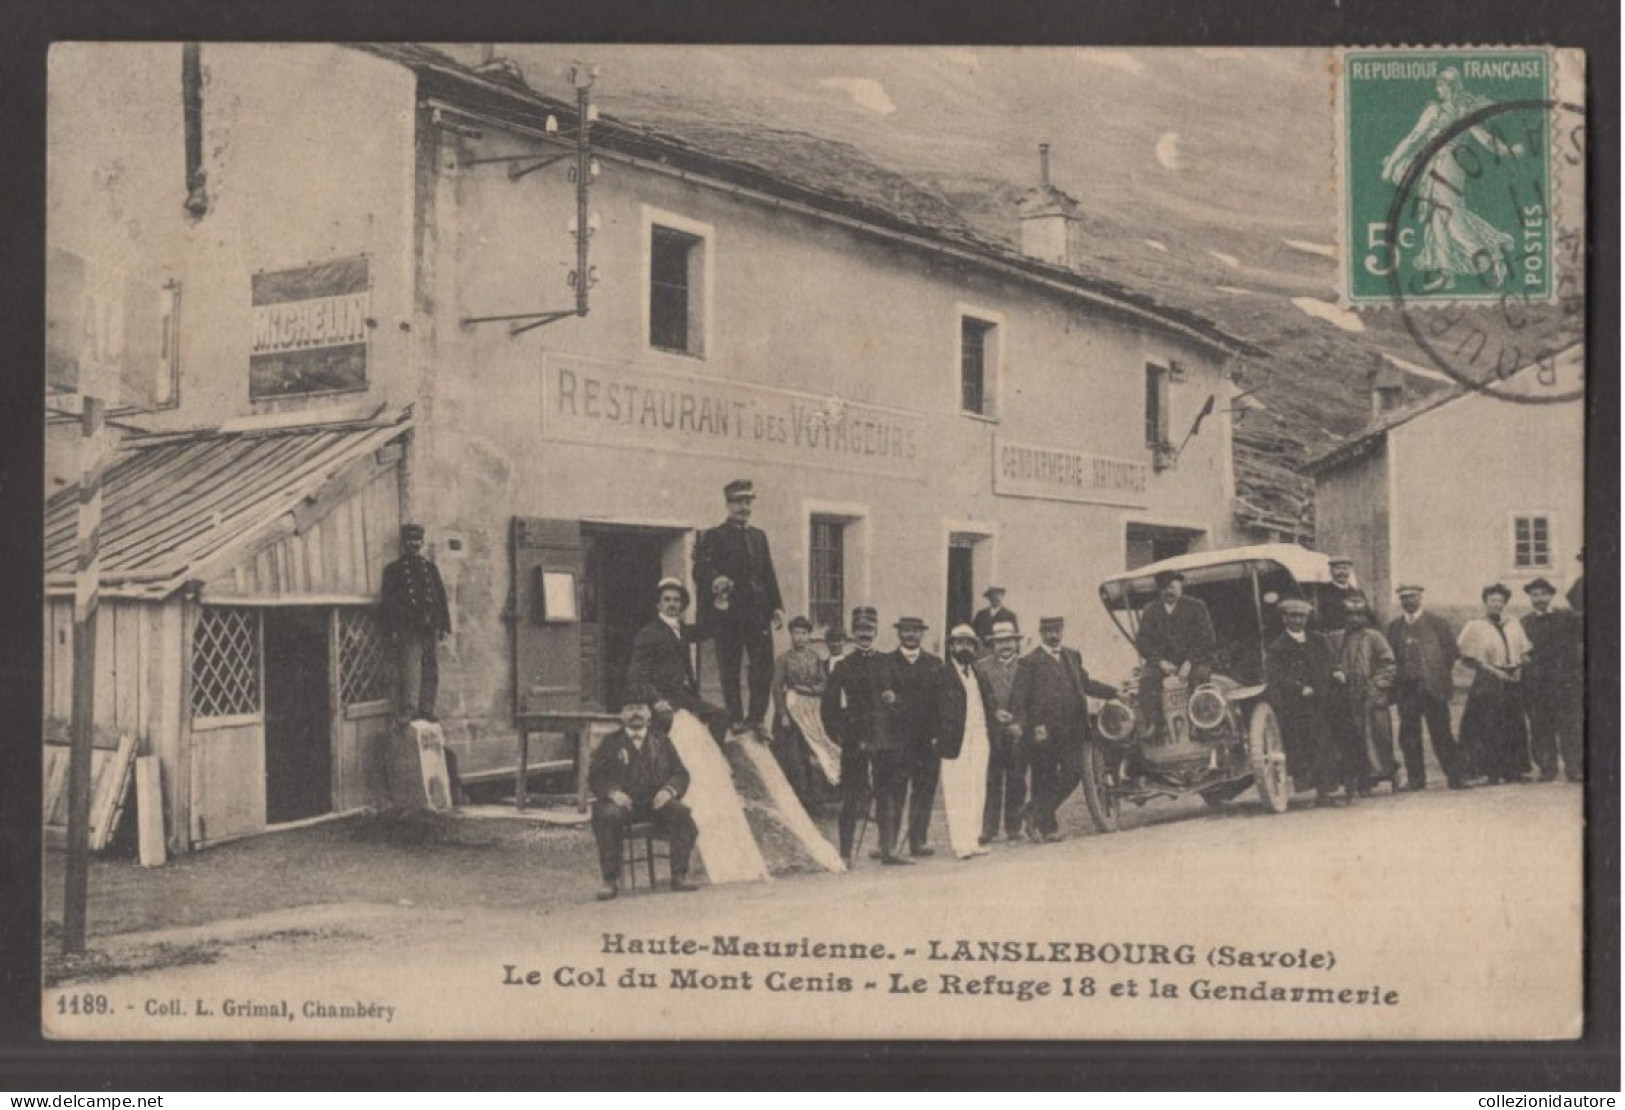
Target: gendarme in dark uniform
{"x":416,"y":617}
{"x":856,"y":711}
{"x":739,"y":604}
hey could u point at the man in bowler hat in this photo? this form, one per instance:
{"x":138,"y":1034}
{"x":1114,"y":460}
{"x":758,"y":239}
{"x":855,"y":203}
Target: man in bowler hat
{"x":740,"y":606}
{"x":637,"y":775}
{"x":915,"y":677}
{"x":416,"y":618}
{"x":1553,"y":679}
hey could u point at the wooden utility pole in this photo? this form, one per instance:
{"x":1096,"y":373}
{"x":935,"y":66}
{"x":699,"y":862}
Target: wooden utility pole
{"x":87,"y":582}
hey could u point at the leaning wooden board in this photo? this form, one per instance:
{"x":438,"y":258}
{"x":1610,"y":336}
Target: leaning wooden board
{"x":110,"y":785}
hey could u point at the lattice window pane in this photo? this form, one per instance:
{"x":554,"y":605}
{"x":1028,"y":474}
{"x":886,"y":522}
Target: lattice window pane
{"x":226,"y":663}
{"x":363,"y":662}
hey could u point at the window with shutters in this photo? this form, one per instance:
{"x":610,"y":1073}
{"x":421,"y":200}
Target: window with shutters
{"x":227,"y":659}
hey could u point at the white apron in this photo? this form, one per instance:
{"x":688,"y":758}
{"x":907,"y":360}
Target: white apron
{"x":964,"y":780}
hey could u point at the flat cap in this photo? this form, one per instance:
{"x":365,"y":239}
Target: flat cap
{"x":739,"y":487}
{"x":1296,"y":605}
{"x":1539,"y":584}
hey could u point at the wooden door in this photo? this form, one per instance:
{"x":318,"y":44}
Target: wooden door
{"x":550,"y":635}
{"x":227,"y":688}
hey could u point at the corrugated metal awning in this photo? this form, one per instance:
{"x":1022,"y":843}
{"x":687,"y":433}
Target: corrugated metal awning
{"x":171,"y":503}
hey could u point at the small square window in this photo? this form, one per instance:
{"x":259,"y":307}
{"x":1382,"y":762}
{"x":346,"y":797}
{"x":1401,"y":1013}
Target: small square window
{"x":1531,"y":543}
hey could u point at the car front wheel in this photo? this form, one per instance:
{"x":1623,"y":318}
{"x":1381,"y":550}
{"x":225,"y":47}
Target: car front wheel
{"x":1269,"y":758}
{"x":1104,"y":806}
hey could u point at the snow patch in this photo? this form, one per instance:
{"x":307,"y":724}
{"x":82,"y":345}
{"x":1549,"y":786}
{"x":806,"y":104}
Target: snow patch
{"x":1419,"y":371}
{"x":1156,"y":246}
{"x":1229,"y":260}
{"x":865,"y":92}
{"x":1325,"y":250}
{"x":1325,"y":310}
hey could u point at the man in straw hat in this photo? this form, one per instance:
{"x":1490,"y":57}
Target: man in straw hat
{"x":1554,"y":678}
{"x":636,"y":775}
{"x":1425,"y":650}
{"x":1304,"y":688}
{"x":1007,"y":767}
{"x":1049,"y":699}
{"x":740,"y":606}
{"x":661,"y":672}
{"x":856,"y":714}
{"x":964,"y":741}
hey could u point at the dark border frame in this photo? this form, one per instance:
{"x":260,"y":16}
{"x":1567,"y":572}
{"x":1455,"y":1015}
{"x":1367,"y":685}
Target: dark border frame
{"x":27,"y":1061}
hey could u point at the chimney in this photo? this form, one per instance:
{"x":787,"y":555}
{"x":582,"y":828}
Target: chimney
{"x":1387,"y":388}
{"x":1049,"y":219}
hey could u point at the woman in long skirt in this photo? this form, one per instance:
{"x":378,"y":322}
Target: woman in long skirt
{"x":1493,"y":731}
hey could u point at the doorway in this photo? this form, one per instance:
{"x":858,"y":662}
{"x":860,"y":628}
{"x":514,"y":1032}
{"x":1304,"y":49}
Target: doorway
{"x":623,"y":565}
{"x":961,"y":584}
{"x":298,"y":714}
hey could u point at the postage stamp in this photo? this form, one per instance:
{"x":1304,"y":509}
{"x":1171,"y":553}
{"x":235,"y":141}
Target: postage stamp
{"x":1446,"y":175}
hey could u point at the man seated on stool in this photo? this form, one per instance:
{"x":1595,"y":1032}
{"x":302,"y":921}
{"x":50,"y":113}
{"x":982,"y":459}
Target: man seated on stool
{"x":636,"y":775}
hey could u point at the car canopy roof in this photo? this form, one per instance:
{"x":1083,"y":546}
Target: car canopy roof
{"x":1307,"y":567}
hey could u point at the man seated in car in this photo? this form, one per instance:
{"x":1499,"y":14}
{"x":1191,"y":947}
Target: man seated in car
{"x":1175,"y":638}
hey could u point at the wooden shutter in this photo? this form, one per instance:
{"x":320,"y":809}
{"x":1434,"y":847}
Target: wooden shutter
{"x":548,"y":673}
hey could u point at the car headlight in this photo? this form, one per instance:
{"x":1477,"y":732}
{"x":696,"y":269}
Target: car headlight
{"x":1116,"y":721}
{"x":1207,"y":707}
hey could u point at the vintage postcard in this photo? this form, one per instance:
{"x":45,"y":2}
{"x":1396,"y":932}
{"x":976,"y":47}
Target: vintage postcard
{"x":652,"y":542}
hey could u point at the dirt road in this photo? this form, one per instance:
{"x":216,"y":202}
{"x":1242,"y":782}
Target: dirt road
{"x":1438,"y":914}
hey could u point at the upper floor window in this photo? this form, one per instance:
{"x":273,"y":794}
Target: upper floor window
{"x":826,"y":594}
{"x":679,"y":283}
{"x":1531,"y":542}
{"x":980,"y":358}
{"x":1156,"y":406}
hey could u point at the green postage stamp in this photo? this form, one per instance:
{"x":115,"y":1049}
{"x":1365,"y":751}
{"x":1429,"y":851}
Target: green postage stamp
{"x":1446,"y":175}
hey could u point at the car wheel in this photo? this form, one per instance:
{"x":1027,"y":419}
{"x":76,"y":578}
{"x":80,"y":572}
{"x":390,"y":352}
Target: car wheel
{"x":1269,"y":758}
{"x":1103,"y":805}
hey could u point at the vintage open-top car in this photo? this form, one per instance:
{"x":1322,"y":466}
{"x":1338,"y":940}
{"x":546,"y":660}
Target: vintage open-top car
{"x":1221,"y":737}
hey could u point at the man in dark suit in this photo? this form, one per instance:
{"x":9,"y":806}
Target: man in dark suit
{"x":416,"y":618}
{"x":984,"y":620}
{"x":1339,"y":592}
{"x":856,"y":711}
{"x":915,"y":674}
{"x":1553,"y":678}
{"x":636,"y":775}
{"x":1049,"y":701}
{"x":1007,"y":765}
{"x":1304,"y":690}
{"x":1424,"y":650}
{"x":1175,"y":637}
{"x":661,"y":672}
{"x":740,"y":604}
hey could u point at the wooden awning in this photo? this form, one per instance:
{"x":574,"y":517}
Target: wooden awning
{"x":177,"y":506}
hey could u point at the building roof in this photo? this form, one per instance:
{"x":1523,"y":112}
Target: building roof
{"x":1362,"y":443}
{"x":818,"y":185}
{"x":173,"y":502}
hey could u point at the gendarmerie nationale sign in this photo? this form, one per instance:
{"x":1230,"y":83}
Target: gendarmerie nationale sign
{"x":310,"y":329}
{"x":1066,"y":474}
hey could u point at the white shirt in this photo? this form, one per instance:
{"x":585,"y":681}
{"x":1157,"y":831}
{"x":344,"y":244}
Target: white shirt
{"x":912,"y":656}
{"x":1300,"y":637}
{"x":672,"y":623}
